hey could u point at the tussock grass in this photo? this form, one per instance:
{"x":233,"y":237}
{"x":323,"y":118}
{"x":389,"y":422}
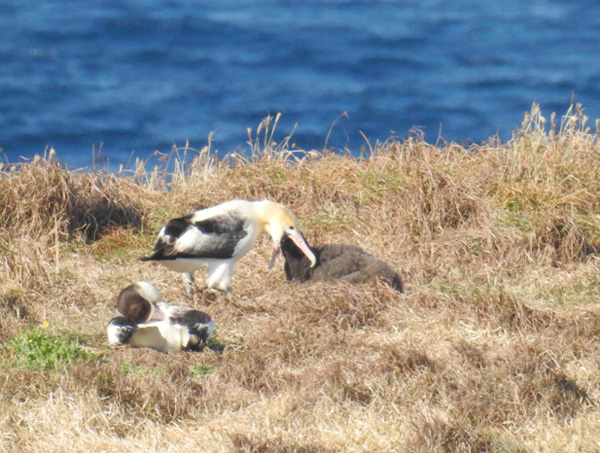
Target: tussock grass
{"x":493,"y":346}
{"x":42,"y":198}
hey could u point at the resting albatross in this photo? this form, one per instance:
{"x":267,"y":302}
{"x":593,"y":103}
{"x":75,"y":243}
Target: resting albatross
{"x":149,"y":321}
{"x":337,"y":261}
{"x":219,"y":236}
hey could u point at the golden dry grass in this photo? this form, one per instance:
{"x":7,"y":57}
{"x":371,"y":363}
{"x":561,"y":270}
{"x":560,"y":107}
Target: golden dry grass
{"x":493,"y":346}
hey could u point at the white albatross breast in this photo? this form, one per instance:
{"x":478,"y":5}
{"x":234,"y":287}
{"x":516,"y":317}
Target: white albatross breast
{"x":219,"y":236}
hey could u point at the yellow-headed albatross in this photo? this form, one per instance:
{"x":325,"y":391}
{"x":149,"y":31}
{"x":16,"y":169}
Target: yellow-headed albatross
{"x":219,"y":236}
{"x":149,"y":321}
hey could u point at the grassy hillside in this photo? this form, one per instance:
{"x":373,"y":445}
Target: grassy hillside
{"x":493,"y":346}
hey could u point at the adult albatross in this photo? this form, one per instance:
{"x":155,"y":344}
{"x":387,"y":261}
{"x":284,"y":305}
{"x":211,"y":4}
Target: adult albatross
{"x":217,"y":237}
{"x":149,"y":321}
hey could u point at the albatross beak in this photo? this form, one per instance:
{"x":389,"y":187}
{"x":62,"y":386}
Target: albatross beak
{"x":275,"y":254}
{"x":302,"y":245}
{"x":157,"y":314}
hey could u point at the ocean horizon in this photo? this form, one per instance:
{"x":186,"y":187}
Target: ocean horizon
{"x":116,"y":81}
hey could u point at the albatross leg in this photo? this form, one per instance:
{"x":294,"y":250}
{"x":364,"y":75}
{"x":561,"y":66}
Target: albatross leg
{"x":189,"y":278}
{"x":219,"y":275}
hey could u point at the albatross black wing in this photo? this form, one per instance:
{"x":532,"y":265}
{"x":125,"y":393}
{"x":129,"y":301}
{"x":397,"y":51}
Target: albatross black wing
{"x":221,"y":234}
{"x":215,"y":237}
{"x":200,"y":326}
{"x":120,"y":330}
{"x":164,"y":249}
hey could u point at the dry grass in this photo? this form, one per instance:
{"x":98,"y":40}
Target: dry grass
{"x":493,"y":347}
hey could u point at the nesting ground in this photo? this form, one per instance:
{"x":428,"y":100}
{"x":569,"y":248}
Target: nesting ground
{"x":493,"y":346}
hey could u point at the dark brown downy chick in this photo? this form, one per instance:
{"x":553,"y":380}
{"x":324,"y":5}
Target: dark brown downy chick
{"x":337,"y":261}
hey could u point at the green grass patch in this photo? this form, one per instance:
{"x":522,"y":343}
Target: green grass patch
{"x":198,"y":371}
{"x":122,"y":245}
{"x":518,"y":220}
{"x":212,"y":341}
{"x":380,"y":183}
{"x":329,"y":220}
{"x":571,"y":293}
{"x":37,"y":349}
{"x":130,"y":368}
{"x":69,"y":248}
{"x":450,"y":289}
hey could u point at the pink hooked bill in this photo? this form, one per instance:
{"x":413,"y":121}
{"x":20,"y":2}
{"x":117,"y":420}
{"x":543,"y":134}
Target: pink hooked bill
{"x":302,"y":245}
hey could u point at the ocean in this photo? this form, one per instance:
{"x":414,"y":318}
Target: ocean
{"x":118,"y":80}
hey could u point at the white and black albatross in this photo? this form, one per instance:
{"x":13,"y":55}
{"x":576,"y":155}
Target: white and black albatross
{"x":150,"y":321}
{"x":217,"y":237}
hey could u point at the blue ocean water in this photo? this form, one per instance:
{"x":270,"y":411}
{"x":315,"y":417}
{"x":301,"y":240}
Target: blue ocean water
{"x":138,"y":76}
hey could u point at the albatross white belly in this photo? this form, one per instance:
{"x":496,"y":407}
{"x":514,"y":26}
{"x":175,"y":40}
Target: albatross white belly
{"x":218,"y":274}
{"x":160,"y":335}
{"x":194,"y":264}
